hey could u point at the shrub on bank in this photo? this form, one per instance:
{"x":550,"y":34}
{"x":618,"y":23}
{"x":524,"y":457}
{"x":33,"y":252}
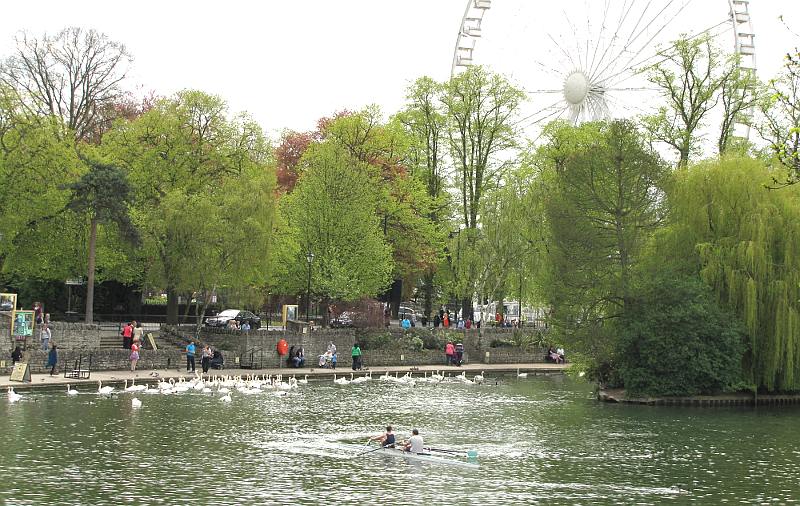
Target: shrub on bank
{"x":675,"y":340}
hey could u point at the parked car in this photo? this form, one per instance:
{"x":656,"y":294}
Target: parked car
{"x":222,"y":319}
{"x":344,"y":320}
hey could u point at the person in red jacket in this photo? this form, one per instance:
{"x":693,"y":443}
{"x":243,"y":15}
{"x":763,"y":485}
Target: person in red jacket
{"x":449,"y":351}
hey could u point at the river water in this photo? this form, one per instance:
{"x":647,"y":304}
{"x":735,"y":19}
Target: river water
{"x":541,"y":440}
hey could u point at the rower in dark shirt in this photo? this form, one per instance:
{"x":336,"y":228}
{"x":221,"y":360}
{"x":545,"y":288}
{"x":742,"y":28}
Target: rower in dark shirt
{"x":387,"y":439}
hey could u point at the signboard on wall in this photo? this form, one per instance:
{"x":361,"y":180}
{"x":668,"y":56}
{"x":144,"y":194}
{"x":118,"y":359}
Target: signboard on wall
{"x":289,"y":313}
{"x":8,"y":302}
{"x":22,"y":324}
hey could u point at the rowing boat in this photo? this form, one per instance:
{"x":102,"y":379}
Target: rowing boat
{"x":428,"y":457}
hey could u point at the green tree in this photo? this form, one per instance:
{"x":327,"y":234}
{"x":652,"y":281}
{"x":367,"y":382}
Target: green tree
{"x":694,"y":76}
{"x":104,"y":196}
{"x":743,"y":240}
{"x":480,"y":109}
{"x":193,"y":170}
{"x":333,"y":212}
{"x":601,"y":191}
{"x":424,"y":120}
{"x":780,"y":125}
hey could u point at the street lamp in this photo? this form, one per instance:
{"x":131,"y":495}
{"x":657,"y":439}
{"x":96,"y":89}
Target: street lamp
{"x":310,"y":258}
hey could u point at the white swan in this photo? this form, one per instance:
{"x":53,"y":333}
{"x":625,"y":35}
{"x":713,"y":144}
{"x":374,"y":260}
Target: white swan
{"x":521,"y":374}
{"x":103,"y":390}
{"x":342,"y":380}
{"x":71,"y":391}
{"x":304,"y":381}
{"x":136,"y":403}
{"x":225,"y":398}
{"x":478,"y":378}
{"x":13,"y":396}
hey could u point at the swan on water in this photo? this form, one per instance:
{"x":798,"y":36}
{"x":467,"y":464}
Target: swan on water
{"x":103,"y":390}
{"x":478,"y":378}
{"x":521,"y":374}
{"x":13,"y":396}
{"x":225,"y":398}
{"x":71,"y":391}
{"x":136,"y":403}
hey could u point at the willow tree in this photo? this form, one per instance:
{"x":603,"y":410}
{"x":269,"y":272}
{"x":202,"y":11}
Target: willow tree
{"x":745,"y":240}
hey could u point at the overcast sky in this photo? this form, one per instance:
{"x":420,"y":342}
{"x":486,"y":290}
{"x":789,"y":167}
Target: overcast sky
{"x":290,"y":62}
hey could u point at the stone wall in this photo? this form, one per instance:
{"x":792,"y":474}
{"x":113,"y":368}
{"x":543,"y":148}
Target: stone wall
{"x":68,"y":336}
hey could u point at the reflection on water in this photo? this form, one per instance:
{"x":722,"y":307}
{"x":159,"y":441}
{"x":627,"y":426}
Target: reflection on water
{"x":540,"y":440}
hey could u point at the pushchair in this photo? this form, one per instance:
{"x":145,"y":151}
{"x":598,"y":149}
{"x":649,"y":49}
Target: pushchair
{"x":458,"y":358}
{"x":217,"y":361}
{"x":327,"y":360}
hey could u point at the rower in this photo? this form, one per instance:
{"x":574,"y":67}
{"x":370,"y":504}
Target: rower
{"x":387,"y":439}
{"x":414,"y":443}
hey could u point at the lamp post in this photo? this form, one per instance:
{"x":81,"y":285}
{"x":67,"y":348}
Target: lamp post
{"x":310,"y":258}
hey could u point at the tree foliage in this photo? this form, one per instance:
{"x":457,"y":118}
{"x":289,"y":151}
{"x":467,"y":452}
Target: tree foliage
{"x":780,"y":125}
{"x":602,"y":192}
{"x":744,"y":241}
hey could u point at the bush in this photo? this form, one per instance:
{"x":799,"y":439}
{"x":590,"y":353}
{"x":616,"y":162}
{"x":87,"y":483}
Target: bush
{"x":374,"y":341}
{"x":675,"y":340}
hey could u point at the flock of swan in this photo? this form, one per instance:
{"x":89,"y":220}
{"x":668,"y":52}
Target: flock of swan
{"x":224,"y":386}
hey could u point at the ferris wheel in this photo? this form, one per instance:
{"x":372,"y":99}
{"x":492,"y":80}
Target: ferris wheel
{"x":585,"y":60}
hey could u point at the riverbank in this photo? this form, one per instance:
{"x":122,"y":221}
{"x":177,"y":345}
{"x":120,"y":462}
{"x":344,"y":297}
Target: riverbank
{"x":736,"y":399}
{"x":118,"y":377}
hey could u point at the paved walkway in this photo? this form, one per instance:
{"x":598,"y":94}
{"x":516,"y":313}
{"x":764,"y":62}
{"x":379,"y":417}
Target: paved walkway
{"x":148,"y":376}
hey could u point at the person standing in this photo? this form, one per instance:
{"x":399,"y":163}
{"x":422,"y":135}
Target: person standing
{"x":16,"y":355}
{"x":355,"y":353}
{"x":449,"y":351}
{"x":205,"y":360}
{"x":38,"y":313}
{"x":46,"y":335}
{"x":127,"y":336}
{"x":134,"y":354}
{"x":52,"y":360}
{"x":190,"y":349}
{"x":331,"y":348}
{"x":137,"y":332}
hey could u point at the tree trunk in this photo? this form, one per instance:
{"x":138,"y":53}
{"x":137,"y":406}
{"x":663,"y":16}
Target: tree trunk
{"x":427,"y":294}
{"x":90,"y":271}
{"x":466,"y":308}
{"x":172,"y":306}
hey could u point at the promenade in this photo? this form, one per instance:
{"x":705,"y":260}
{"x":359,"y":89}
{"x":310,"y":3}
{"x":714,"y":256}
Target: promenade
{"x":491,"y":371}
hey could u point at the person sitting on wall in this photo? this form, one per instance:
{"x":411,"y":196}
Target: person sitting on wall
{"x":299,"y":358}
{"x":217,"y":360}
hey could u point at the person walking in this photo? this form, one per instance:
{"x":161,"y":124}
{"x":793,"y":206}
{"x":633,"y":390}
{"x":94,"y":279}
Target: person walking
{"x":46,"y":335}
{"x":52,"y":360}
{"x":355,"y":353}
{"x":134,"y":354}
{"x":190,"y":349}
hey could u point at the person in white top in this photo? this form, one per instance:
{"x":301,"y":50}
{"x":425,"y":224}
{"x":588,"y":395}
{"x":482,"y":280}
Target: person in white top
{"x":415,"y":443}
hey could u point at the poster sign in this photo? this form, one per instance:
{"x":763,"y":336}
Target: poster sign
{"x":8,"y":302}
{"x":289,"y":313}
{"x":21,"y":372}
{"x":22,"y":324}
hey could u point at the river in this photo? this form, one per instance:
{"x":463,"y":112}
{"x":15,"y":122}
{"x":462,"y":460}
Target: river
{"x":540,"y":440}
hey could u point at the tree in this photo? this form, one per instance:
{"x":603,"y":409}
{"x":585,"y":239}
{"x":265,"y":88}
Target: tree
{"x":694,"y":76}
{"x":602,"y":193}
{"x":743,"y":241}
{"x":780,"y":127}
{"x":104,"y":195}
{"x":333,"y":214}
{"x":425,"y":122}
{"x":74,"y":75}
{"x":480,"y":110}
{"x":192,"y":170}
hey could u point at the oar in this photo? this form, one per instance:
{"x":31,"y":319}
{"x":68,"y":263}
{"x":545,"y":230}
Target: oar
{"x":468,"y":453}
{"x":370,"y":450}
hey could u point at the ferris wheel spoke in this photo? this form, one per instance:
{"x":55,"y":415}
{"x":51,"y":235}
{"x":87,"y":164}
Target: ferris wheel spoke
{"x":577,"y":42}
{"x":569,"y":56}
{"x":552,"y":116}
{"x":620,"y":22}
{"x":543,"y":109}
{"x":650,"y":40}
{"x":635,"y":68}
{"x":548,"y":68}
{"x":599,"y":35}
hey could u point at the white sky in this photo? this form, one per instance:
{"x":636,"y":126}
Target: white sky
{"x":290,"y":62}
